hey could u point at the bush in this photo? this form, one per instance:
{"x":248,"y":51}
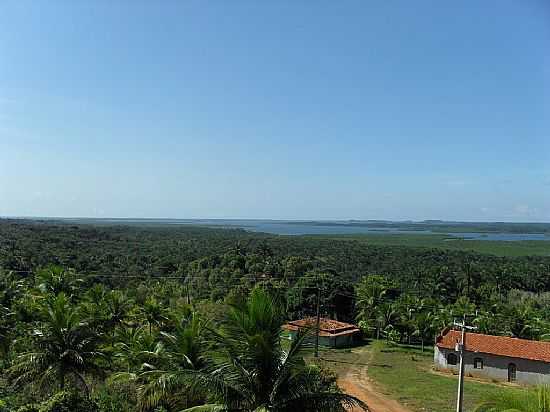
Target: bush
{"x":68,"y":401}
{"x":3,"y":406}
{"x":116,"y":398}
{"x":28,"y":408}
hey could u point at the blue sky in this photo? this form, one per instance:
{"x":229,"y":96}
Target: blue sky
{"x":282,"y":109}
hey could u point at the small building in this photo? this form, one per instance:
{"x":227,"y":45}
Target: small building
{"x":332,"y":334}
{"x":495,"y":357}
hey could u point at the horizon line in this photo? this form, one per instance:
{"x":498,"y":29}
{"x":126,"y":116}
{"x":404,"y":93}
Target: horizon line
{"x":297,"y":220}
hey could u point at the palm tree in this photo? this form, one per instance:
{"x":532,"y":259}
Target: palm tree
{"x":248,"y":369}
{"x":94,"y":314}
{"x":96,"y":294}
{"x":524,"y":323}
{"x":184,"y":347}
{"x":118,"y":307}
{"x":424,"y":324}
{"x":371,"y":292}
{"x":11,"y":288}
{"x":463,"y":306}
{"x":153,"y":312}
{"x":55,"y":280}
{"x":407,"y":308}
{"x":185,"y":343}
{"x":138,"y":350}
{"x":528,"y":400}
{"x":65,"y":349}
{"x":490,"y":322}
{"x":7,"y":318}
{"x":386,"y":318}
{"x":156,"y":365}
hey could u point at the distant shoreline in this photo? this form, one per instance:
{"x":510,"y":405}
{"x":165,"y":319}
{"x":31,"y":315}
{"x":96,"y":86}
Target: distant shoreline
{"x":486,"y":231}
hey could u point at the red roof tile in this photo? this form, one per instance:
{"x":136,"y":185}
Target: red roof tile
{"x":327,"y":327}
{"x":497,"y":345}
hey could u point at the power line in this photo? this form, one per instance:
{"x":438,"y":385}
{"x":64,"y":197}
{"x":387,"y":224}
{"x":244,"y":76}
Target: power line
{"x":256,"y":278}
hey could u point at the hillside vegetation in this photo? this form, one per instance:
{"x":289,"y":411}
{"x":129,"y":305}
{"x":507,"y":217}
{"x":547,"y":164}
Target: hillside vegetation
{"x":116,"y":318}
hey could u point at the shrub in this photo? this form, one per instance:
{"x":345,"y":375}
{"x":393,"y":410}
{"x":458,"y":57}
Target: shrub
{"x":116,"y":398}
{"x":68,"y":401}
{"x":28,"y":408}
{"x":3,"y":406}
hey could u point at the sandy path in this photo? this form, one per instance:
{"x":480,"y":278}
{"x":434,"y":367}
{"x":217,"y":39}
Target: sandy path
{"x":354,"y":381}
{"x":363,"y":390}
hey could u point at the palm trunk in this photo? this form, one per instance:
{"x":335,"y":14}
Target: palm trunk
{"x":61,"y":379}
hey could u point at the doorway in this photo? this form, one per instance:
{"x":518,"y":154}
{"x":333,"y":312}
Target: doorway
{"x":512,"y":369}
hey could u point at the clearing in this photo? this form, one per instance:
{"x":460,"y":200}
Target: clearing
{"x":396,"y":378}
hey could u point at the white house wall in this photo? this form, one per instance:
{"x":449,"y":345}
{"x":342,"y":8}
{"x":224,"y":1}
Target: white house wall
{"x":496,"y":367}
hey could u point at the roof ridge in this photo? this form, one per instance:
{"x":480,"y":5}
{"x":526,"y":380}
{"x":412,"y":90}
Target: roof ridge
{"x":497,"y":345}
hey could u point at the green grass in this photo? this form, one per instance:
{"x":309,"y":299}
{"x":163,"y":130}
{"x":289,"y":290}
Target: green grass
{"x":405,"y":374}
{"x":494,"y":247}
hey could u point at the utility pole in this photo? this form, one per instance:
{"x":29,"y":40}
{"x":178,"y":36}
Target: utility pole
{"x":460,"y":349}
{"x":318,"y":321}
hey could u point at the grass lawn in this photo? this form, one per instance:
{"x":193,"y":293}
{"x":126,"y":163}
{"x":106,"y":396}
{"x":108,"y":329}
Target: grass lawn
{"x":405,"y":374}
{"x":499,"y":248}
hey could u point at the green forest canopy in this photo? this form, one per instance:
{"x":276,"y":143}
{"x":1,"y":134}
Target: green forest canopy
{"x":140,"y":306}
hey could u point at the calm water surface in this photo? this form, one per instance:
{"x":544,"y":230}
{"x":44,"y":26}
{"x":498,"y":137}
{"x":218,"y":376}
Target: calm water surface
{"x":285,"y":228}
{"x":296,"y":228}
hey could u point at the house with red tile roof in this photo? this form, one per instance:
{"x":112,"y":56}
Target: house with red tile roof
{"x":496,"y":357}
{"x":332,"y":333}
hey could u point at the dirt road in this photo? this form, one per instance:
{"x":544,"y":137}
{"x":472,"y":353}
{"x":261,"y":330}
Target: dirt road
{"x":363,"y":390}
{"x":352,"y":370}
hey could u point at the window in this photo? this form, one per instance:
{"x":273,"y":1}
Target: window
{"x":478,"y":363}
{"x":512,"y":372}
{"x":452,"y":359}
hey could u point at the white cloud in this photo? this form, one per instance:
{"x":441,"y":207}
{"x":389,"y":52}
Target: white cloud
{"x":525,"y":210}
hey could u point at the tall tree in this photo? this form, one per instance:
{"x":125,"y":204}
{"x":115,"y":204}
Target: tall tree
{"x":248,"y":369}
{"x":56,"y":279}
{"x":425,"y":326}
{"x":372,"y":291}
{"x":65,"y":350}
{"x":153,"y":312}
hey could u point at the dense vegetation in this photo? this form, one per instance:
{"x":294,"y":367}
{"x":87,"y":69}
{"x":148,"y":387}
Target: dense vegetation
{"x":145,"y":318}
{"x":166,"y":250}
{"x":446,"y":242}
{"x":70,"y":348}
